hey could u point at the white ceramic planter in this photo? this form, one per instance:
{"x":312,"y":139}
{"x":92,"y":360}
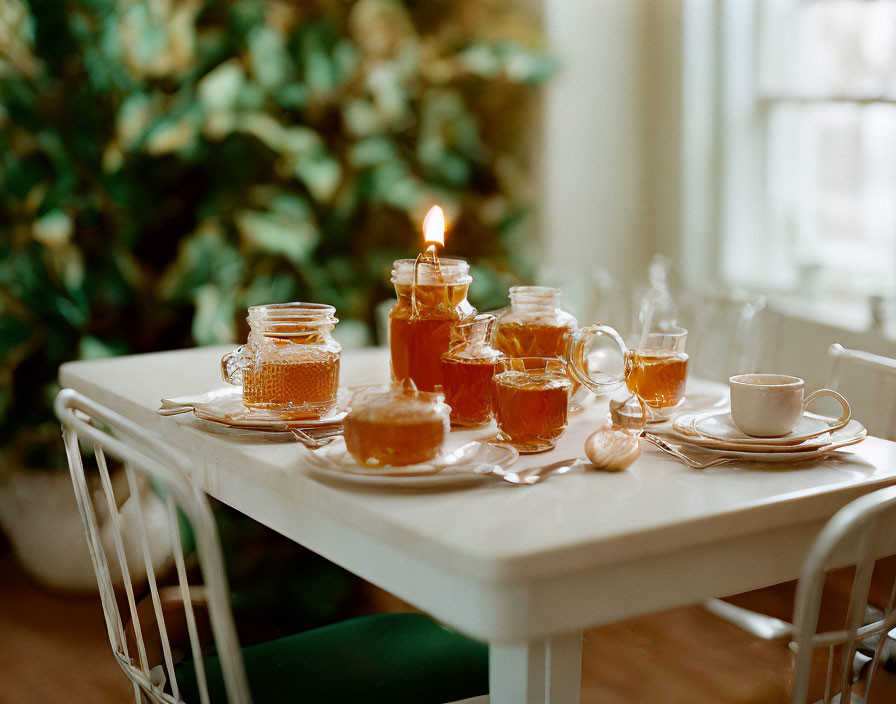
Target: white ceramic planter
{"x":40,"y":517}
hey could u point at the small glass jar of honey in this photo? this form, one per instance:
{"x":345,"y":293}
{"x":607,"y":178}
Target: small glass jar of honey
{"x":395,"y":425}
{"x":531,"y":396}
{"x":432,"y":296}
{"x":290,"y":363}
{"x":535,"y":325}
{"x":467,"y":370}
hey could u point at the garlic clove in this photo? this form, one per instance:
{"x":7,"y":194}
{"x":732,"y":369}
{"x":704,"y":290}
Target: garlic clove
{"x":612,"y":450}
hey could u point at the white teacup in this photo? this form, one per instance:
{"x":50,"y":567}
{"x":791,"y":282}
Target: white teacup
{"x":771,"y":405}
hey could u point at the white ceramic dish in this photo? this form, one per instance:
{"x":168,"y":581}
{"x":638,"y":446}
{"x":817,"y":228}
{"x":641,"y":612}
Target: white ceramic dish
{"x":718,"y":425}
{"x":769,"y":457}
{"x":471,"y":463}
{"x":683,"y":431}
{"x":225,"y":406}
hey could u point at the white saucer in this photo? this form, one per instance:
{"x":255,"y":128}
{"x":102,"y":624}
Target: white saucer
{"x":470,"y":463}
{"x":225,"y":406}
{"x":718,"y":425}
{"x":778,"y":456}
{"x":683,"y":431}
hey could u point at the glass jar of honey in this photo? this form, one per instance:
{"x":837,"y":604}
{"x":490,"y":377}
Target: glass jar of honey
{"x":467,"y":370}
{"x":535,"y":325}
{"x":290,"y":363}
{"x":432,"y":295}
{"x":395,"y":425}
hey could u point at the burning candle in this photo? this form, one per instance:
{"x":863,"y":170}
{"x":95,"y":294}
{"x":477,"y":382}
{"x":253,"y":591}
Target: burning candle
{"x":432,"y":295}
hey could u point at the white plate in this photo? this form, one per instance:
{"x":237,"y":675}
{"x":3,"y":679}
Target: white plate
{"x":683,"y":431}
{"x":225,"y":406}
{"x":719,"y":425}
{"x":470,"y":463}
{"x":754,"y":456}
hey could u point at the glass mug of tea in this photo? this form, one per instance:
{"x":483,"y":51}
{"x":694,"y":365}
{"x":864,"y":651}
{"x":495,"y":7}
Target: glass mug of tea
{"x":290,"y":364}
{"x":531,"y":399}
{"x":655,"y":370}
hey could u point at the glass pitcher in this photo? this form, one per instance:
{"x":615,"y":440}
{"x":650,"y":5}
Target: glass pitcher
{"x":290,"y":363}
{"x":432,"y":296}
{"x":467,"y":370}
{"x":655,"y":370}
{"x":535,"y":325}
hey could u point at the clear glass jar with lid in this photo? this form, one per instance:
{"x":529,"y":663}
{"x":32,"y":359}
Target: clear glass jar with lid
{"x":535,"y":325}
{"x":467,"y":370}
{"x":290,"y":363}
{"x":432,"y":296}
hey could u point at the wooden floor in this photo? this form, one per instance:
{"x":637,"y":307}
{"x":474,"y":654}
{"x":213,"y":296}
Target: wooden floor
{"x":54,"y":649}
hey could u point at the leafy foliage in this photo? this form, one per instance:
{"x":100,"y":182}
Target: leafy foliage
{"x":164,"y":165}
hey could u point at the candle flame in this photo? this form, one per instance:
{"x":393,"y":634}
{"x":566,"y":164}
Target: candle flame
{"x":434,"y":226}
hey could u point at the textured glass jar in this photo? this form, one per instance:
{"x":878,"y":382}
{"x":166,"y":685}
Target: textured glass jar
{"x":467,"y":370}
{"x":535,"y":325}
{"x":290,"y":363}
{"x":430,"y":299}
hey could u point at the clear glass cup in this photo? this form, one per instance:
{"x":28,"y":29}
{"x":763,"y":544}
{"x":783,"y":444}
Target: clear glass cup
{"x":531,"y":396}
{"x":290,"y":363}
{"x":395,"y":425}
{"x":655,"y":370}
{"x":467,"y":370}
{"x":431,"y":298}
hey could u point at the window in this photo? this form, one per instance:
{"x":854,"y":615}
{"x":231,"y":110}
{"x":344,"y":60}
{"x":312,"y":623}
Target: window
{"x":806,"y":92}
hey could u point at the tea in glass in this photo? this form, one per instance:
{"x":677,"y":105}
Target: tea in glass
{"x":395,"y":426}
{"x":535,"y":325}
{"x":655,"y":370}
{"x":467,"y":371}
{"x":290,"y":363}
{"x":531,"y":397}
{"x":657,"y":377}
{"x":432,"y":295}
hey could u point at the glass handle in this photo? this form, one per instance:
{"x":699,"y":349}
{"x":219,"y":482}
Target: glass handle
{"x":232,"y":365}
{"x":577,"y":365}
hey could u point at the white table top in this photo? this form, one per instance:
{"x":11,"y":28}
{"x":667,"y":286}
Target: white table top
{"x":496,"y":531}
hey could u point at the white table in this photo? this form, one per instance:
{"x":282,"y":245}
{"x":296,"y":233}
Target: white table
{"x":524,"y":568}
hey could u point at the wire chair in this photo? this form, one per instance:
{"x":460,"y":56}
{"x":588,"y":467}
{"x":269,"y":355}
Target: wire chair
{"x":858,"y":534}
{"x":146,"y":458}
{"x":877,"y":375}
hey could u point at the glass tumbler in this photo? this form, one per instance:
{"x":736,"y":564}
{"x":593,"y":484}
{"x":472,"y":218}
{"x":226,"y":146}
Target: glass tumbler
{"x":531,"y":396}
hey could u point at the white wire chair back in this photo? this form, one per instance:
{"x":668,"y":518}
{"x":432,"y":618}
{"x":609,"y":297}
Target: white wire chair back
{"x":858,"y":535}
{"x":147,"y":457}
{"x":868,"y":377}
{"x":725,"y":335}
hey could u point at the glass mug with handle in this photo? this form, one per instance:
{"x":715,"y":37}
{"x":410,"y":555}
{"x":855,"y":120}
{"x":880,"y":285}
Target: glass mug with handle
{"x":655,"y":370}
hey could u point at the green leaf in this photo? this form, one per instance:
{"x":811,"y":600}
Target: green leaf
{"x":14,"y":335}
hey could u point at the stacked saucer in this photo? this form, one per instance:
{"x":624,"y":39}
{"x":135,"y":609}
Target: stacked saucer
{"x":814,"y":436}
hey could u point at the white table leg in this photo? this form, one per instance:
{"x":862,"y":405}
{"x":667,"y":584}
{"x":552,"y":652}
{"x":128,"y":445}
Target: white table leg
{"x":542,"y":672}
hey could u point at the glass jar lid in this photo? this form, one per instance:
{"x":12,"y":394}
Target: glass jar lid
{"x":448,"y":271}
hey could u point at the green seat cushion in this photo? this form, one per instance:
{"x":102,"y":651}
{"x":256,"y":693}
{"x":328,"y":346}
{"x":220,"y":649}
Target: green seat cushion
{"x":394,"y":658}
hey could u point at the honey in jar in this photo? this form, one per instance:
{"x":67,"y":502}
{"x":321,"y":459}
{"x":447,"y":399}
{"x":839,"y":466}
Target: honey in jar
{"x":535,"y":325}
{"x":290,"y":363}
{"x":531,"y":397}
{"x":467,"y":370}
{"x":432,"y":296}
{"x":395,"y":426}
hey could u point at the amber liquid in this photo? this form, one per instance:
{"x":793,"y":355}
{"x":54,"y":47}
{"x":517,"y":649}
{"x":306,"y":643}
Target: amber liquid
{"x":468,"y":390}
{"x":531,"y":411}
{"x":304,"y":388}
{"x":657,"y":378}
{"x":531,"y":340}
{"x":413,"y":434}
